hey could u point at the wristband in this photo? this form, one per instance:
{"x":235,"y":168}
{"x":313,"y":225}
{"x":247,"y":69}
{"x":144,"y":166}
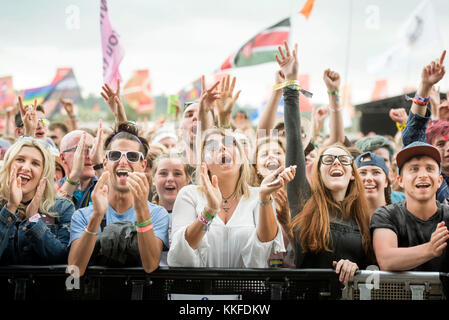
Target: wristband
{"x":265,"y":203}
{"x":421,"y":99}
{"x":98,"y":166}
{"x":293,"y":84}
{"x":208,"y":216}
{"x":90,"y":232}
{"x":34,"y":218}
{"x":72,"y":182}
{"x":64,"y":194}
{"x":145,"y":229}
{"x":143,"y":224}
{"x":335,"y":92}
{"x":72,"y":116}
{"x":401,"y":126}
{"x":419,"y":102}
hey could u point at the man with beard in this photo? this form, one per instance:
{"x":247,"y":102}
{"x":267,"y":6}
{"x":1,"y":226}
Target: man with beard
{"x":120,"y":195}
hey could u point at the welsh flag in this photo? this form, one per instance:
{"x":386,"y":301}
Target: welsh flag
{"x":261,"y":48}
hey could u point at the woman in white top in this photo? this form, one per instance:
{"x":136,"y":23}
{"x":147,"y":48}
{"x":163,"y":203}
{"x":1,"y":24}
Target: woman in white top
{"x":223,"y":222}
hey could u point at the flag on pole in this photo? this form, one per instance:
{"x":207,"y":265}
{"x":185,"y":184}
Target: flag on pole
{"x":136,"y":92}
{"x":419,"y":31}
{"x":307,"y":8}
{"x":113,"y":51}
{"x":261,"y":48}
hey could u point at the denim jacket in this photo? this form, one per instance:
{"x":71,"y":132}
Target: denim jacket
{"x":415,"y":130}
{"x":42,"y":242}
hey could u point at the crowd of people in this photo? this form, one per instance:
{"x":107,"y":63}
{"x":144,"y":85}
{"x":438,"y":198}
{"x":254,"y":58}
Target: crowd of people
{"x":215,"y":192}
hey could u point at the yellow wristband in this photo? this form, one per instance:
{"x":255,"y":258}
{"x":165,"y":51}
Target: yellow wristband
{"x":401,"y":126}
{"x":285,"y":84}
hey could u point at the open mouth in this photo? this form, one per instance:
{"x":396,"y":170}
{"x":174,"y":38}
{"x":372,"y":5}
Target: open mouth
{"x":170,"y":188}
{"x":422,"y":185}
{"x":225,"y":159}
{"x":122,"y":175}
{"x":337,"y":173}
{"x":39,"y":134}
{"x":24,"y":179}
{"x":272,"y":165}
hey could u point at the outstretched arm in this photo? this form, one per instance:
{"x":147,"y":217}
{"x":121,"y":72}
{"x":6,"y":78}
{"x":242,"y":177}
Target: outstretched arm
{"x":268,"y":117}
{"x":298,"y":190}
{"x":337,"y":131}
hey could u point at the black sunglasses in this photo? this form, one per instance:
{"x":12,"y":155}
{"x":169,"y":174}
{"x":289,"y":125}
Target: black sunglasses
{"x":131,"y":156}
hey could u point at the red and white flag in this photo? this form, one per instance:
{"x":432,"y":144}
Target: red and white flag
{"x":113,"y":51}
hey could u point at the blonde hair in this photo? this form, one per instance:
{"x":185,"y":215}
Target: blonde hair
{"x":48,"y":197}
{"x":242,"y":187}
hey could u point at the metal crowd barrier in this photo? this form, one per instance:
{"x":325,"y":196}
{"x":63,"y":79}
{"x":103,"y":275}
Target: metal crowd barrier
{"x":53,"y":282}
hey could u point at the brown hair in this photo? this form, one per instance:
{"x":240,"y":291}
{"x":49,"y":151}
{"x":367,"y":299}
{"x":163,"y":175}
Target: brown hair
{"x":256,"y":178}
{"x":312,"y":225}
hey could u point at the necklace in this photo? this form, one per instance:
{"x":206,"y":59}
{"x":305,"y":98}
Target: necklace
{"x":225,"y":201}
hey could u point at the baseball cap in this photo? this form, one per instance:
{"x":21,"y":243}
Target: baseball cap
{"x":371,"y":159}
{"x":417,"y":148}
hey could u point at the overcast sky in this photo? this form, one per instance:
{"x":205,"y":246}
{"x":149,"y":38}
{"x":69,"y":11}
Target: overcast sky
{"x":181,"y":39}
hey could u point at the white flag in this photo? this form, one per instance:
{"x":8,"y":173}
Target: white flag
{"x":419,"y":30}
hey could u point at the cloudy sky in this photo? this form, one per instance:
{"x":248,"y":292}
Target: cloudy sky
{"x":180,"y":40}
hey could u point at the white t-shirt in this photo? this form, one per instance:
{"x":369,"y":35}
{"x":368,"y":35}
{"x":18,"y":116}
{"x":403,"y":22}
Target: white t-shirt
{"x":231,"y":245}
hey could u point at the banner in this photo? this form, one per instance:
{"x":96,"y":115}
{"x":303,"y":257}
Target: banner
{"x":190,"y":92}
{"x":7,"y":95}
{"x":64,"y":85}
{"x":261,"y":48}
{"x":113,"y":51}
{"x":136,"y":92}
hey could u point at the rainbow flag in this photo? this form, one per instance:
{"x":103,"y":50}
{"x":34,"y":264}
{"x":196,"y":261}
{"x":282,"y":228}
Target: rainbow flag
{"x":36,"y":93}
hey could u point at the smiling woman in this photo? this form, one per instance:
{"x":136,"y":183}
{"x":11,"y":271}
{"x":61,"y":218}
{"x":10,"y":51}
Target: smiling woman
{"x":224,"y":222}
{"x":30,"y":214}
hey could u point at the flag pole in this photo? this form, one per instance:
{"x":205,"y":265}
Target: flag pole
{"x":348,"y":44}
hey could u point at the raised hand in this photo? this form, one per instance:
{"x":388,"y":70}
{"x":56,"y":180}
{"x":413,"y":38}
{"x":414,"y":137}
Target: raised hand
{"x":398,"y":115}
{"x":331,"y":79}
{"x":208,"y":96}
{"x":33,"y":207}
{"x":29,"y":117}
{"x":227,"y":100}
{"x":78,"y":159}
{"x":346,"y":269}
{"x":112,"y":98}
{"x":211,"y":189}
{"x":100,"y":196}
{"x":139,"y":186}
{"x":276,"y":180}
{"x":68,"y":106}
{"x":438,"y":240}
{"x":433,"y":72}
{"x":318,"y":117}
{"x":288,"y":62}
{"x":279,"y":77}
{"x":96,"y":154}
{"x":15,"y":190}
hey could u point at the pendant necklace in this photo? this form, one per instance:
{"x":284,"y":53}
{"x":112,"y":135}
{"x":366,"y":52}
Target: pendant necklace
{"x":225,"y":201}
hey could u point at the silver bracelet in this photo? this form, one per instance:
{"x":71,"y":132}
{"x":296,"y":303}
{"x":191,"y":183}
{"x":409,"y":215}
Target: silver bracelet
{"x":90,"y":232}
{"x":265,"y":203}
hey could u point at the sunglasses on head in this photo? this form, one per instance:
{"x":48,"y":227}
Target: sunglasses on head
{"x":330,"y":158}
{"x":131,"y":156}
{"x":213,"y":144}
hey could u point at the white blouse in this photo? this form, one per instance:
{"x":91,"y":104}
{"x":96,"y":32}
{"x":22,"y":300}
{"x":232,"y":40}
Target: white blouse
{"x":231,"y":245}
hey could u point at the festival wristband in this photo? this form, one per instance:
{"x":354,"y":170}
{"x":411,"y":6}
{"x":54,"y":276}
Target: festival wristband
{"x":293,"y":84}
{"x":34,"y":218}
{"x":401,"y":126}
{"x":265,"y":203}
{"x":72,"y":182}
{"x":98,"y":166}
{"x":145,"y":229}
{"x":334,"y":93}
{"x":143,"y":224}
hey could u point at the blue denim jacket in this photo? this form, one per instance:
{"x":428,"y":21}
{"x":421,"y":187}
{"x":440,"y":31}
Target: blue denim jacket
{"x":415,"y":130}
{"x":41,"y":242}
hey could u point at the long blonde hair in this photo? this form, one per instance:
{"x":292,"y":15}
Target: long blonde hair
{"x":242,"y":187}
{"x":312,"y":225}
{"x":48,"y":197}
